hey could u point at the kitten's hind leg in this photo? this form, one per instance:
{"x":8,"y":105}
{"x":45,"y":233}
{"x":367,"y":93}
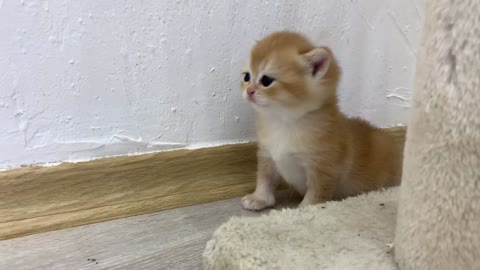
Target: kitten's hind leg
{"x":267,"y":182}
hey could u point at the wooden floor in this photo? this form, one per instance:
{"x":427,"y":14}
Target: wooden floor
{"x":172,"y":239}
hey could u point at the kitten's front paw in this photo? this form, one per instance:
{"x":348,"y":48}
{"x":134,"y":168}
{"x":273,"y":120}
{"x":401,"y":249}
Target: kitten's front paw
{"x":252,"y":202}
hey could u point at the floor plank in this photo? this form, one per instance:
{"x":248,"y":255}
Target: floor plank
{"x":172,"y":239}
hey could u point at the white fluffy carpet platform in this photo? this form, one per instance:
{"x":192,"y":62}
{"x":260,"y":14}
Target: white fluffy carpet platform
{"x":351,"y":234}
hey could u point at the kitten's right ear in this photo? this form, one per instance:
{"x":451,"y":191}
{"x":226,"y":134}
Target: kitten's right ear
{"x":318,"y":61}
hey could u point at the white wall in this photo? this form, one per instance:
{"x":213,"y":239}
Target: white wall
{"x":89,"y":78}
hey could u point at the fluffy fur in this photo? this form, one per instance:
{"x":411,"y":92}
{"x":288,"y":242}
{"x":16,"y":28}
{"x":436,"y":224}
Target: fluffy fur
{"x":303,"y":138}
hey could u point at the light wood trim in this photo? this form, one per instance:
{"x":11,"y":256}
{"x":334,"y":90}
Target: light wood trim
{"x":40,"y":199}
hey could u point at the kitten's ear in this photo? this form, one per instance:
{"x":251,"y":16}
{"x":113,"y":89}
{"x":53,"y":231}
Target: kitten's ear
{"x":318,"y":61}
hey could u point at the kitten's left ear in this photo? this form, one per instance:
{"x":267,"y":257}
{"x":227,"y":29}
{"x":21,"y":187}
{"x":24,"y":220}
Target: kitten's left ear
{"x":318,"y":61}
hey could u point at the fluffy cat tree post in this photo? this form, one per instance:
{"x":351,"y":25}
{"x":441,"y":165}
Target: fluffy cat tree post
{"x":438,"y":225}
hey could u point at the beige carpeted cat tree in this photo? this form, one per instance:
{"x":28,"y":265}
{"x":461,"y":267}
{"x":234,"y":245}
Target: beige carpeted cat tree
{"x":433,"y":219}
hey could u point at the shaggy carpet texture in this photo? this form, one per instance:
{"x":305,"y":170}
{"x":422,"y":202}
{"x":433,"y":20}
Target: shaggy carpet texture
{"x":352,"y":234}
{"x":439,"y":213}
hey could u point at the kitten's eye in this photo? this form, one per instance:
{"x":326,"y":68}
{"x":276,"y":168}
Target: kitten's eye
{"x":266,"y":81}
{"x":246,"y":77}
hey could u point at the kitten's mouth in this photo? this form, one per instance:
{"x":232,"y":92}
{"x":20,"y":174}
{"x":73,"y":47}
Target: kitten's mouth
{"x":256,"y":101}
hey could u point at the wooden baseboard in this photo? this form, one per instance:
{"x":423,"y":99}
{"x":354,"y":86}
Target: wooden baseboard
{"x":40,"y":199}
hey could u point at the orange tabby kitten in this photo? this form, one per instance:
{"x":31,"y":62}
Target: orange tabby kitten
{"x":303,"y":138}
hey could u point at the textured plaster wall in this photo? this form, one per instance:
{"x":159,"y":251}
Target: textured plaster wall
{"x":86,"y":79}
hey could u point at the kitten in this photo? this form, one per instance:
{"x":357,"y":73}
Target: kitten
{"x":302,"y":136}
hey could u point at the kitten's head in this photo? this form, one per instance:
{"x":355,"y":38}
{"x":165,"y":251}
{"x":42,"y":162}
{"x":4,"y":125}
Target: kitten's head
{"x":287,"y":73}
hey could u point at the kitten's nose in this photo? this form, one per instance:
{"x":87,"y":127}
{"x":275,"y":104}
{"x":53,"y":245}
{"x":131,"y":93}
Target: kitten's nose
{"x":250,"y":91}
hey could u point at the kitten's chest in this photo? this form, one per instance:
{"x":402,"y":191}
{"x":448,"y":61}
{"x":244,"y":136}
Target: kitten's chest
{"x":279,"y":145}
{"x":283,"y":147}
